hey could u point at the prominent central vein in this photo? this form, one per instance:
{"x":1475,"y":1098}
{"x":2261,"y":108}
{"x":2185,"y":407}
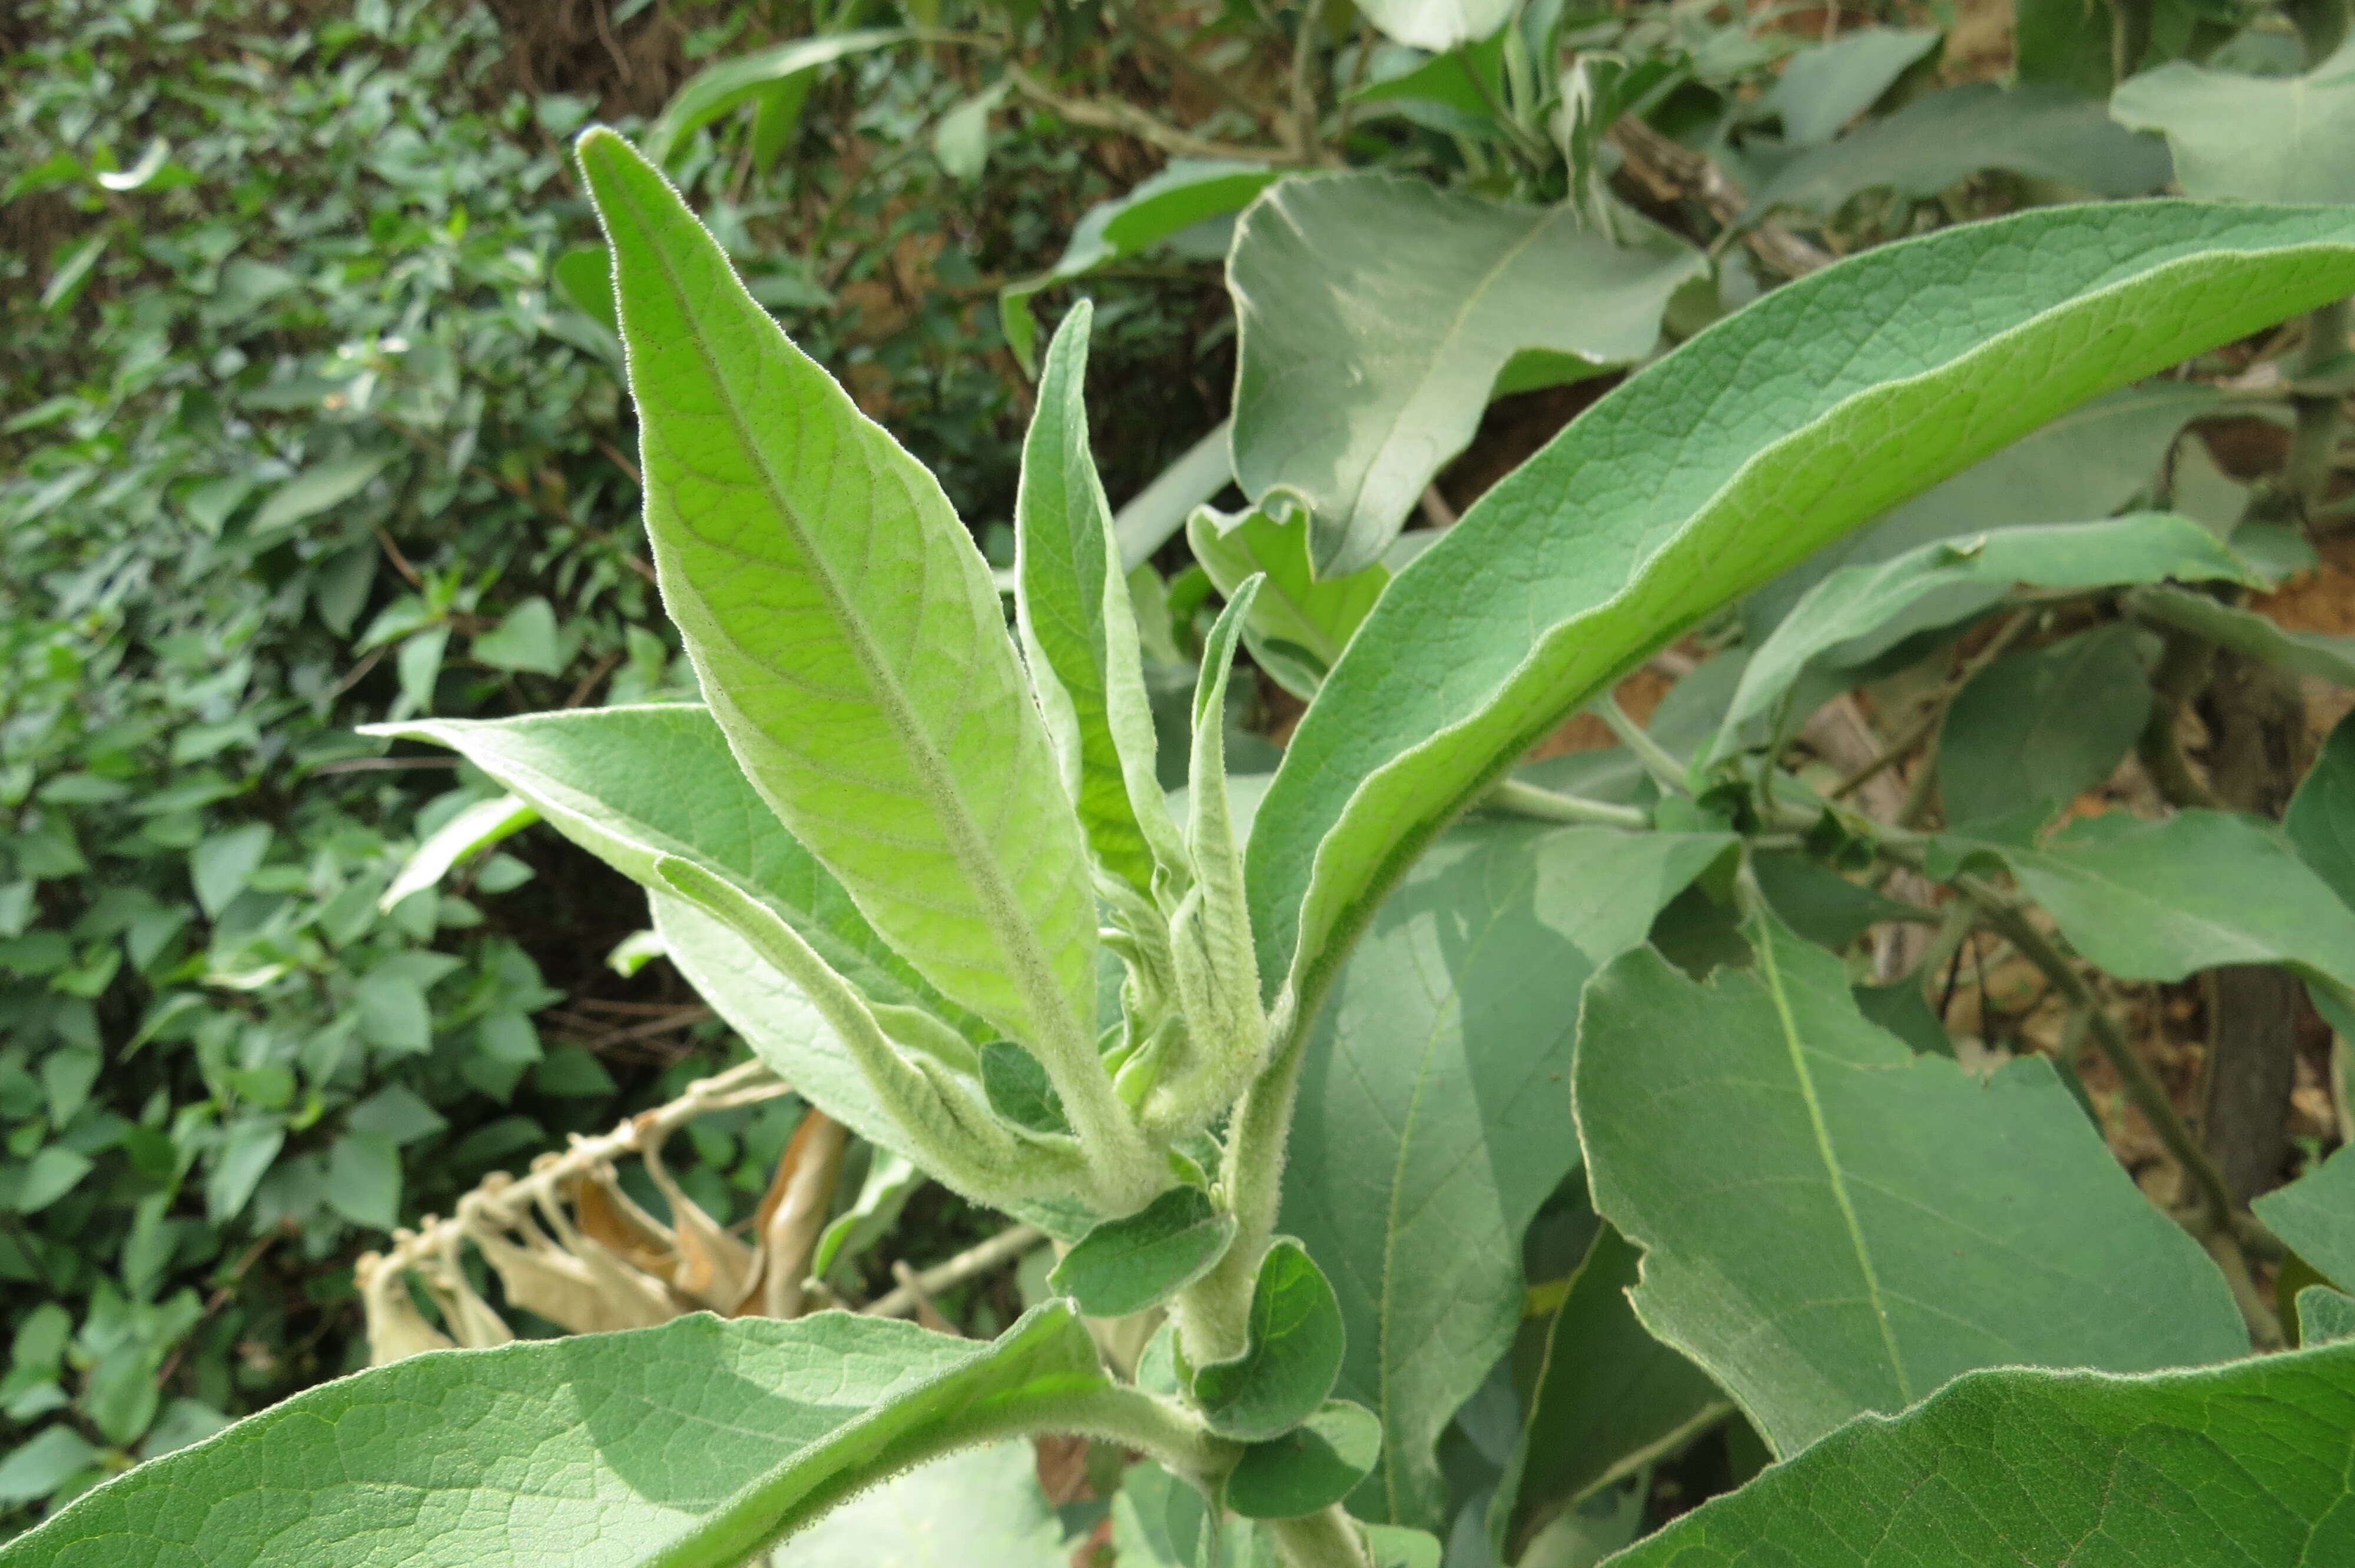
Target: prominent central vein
{"x":1764,"y":940}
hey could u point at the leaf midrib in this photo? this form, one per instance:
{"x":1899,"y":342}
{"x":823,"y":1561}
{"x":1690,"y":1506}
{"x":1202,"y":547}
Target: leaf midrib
{"x":1001,"y":912}
{"x":1771,"y":973}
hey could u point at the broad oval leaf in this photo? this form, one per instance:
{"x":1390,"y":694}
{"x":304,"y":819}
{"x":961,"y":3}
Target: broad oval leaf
{"x":1792,"y":1174}
{"x":2248,"y":1462}
{"x":694,"y":1444}
{"x":1293,"y":1355}
{"x":1311,"y":1467}
{"x":1142,"y":1259}
{"x":2035,"y":729}
{"x":1433,"y":1115}
{"x":1768,"y":434}
{"x":2250,"y":138}
{"x":1375,"y":313}
{"x":848,"y":636}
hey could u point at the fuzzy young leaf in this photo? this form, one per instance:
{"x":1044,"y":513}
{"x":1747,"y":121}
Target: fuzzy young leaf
{"x":1790,"y":1172}
{"x":2244,"y":1463}
{"x":1316,"y":1464}
{"x":1140,"y":1260}
{"x":1433,"y":1111}
{"x":849,"y":641}
{"x":2325,"y":1315}
{"x":1293,"y":1355}
{"x":1070,"y":600}
{"x":1704,"y":475}
{"x":1960,"y":577}
{"x":694,"y":1444}
{"x":1300,"y":622}
{"x":635,"y":783}
{"x":1425,"y":297}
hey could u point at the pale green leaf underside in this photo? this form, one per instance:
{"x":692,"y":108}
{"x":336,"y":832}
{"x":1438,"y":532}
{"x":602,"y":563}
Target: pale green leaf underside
{"x":2247,"y":138}
{"x":1775,"y":430}
{"x":1435,"y":1110}
{"x":630,"y":783}
{"x":980,"y":1509}
{"x":687,"y":1446}
{"x":1833,"y":1225}
{"x":846,"y":631}
{"x":1374,"y":313}
{"x":2247,"y":1464}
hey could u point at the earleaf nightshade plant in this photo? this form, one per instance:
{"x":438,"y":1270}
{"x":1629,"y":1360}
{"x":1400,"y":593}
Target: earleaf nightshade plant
{"x":919,"y":831}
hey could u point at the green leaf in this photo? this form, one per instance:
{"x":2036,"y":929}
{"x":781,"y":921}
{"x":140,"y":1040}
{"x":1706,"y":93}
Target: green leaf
{"x":2157,"y":901}
{"x":49,"y":1175}
{"x":2247,"y":1463}
{"x":1017,"y":1088}
{"x":2249,"y":138}
{"x":1355,"y":386}
{"x":584,"y":275}
{"x":1856,"y":1271}
{"x":2320,"y":820}
{"x":1958,"y":577}
{"x":980,"y":1509}
{"x":1314,"y":1464}
{"x":1818,"y":902}
{"x":2325,"y":1315}
{"x":317,"y":488}
{"x":363,"y":1180}
{"x":2038,"y":728}
{"x":1292,"y":1357}
{"x":220,"y":866}
{"x":2065,"y":44}
{"x":694,"y":1444}
{"x":1437,"y":25}
{"x":631,"y":784}
{"x":1433,"y":1110}
{"x":526,"y":640}
{"x":2089,"y":462}
{"x":1300,"y":622}
{"x":1823,"y":89}
{"x":2316,"y":653}
{"x":715,"y":90}
{"x":1160,"y":1521}
{"x":1186,"y":192}
{"x":1945,"y":138}
{"x":1070,"y":597}
{"x":1140,"y":1260}
{"x":961,"y":140}
{"x":1703,"y":476}
{"x":34,"y":1469}
{"x":2315,"y":1217}
{"x":850,"y":643}
{"x":474,"y":828}
{"x":1609,"y":1398}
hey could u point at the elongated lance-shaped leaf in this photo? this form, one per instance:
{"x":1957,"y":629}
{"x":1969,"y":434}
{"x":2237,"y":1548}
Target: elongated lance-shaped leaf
{"x":1071,"y":601}
{"x":945,"y":1125}
{"x":1792,"y":1173}
{"x":850,"y":643}
{"x":695,"y":1444}
{"x":1780,"y":427}
{"x":2248,"y":1462}
{"x":633,"y":783}
{"x":1209,"y":936}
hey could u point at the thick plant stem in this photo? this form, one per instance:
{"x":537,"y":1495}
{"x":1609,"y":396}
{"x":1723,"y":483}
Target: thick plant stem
{"x":1327,"y":1539}
{"x":2308,"y":472}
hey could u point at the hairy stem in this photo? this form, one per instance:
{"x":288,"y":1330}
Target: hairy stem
{"x":1330,"y":1539}
{"x":1552,"y":806}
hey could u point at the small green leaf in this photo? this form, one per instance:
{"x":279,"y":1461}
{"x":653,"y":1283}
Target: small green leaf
{"x":1316,"y":1464}
{"x":1857,"y":1272}
{"x":474,"y":828}
{"x":526,"y":640}
{"x":1609,"y":1398}
{"x":1071,"y":606}
{"x":1293,"y":1356}
{"x":1300,"y":622}
{"x":1186,"y":192}
{"x":852,"y":646}
{"x":2248,"y":138}
{"x":961,"y":140}
{"x":2325,"y":1317}
{"x":695,"y":1444}
{"x":49,"y":1175}
{"x":220,"y":866}
{"x":2037,"y":728}
{"x":1017,"y":1089}
{"x":1354,"y":386}
{"x":1705,"y":475}
{"x":34,"y":1469}
{"x":1951,"y":584}
{"x":1942,"y":138}
{"x":2322,"y":816}
{"x":1823,"y":89}
{"x":1139,"y":1260}
{"x":363,"y":1180}
{"x":2246,"y":1463}
{"x":317,"y":488}
{"x":2315,"y":1217}
{"x":715,"y":90}
{"x":2316,"y":653}
{"x":891,"y":1181}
